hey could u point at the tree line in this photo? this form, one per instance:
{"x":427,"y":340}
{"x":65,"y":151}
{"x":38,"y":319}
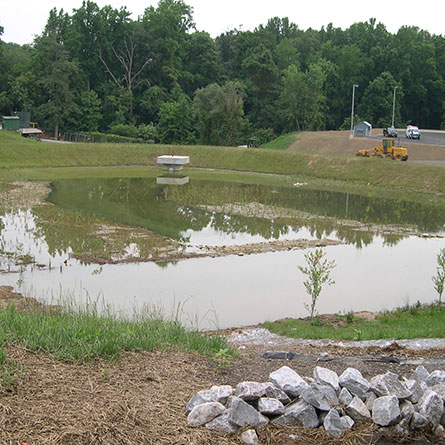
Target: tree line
{"x":158,"y":77}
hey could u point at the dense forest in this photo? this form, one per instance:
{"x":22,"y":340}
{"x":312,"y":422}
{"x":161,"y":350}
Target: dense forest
{"x":161,"y":79}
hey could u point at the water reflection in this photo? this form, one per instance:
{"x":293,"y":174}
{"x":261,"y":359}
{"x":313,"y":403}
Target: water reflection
{"x":227,"y":291}
{"x":172,"y":180}
{"x":180,"y":212}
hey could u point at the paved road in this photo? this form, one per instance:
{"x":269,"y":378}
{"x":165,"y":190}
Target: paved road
{"x":426,"y":137}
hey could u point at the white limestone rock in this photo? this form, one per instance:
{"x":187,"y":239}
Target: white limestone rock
{"x":298,"y":413}
{"x":418,"y":421}
{"x":249,"y":391}
{"x":194,"y":401}
{"x":222,"y":424}
{"x":357,"y":410}
{"x":242,"y":414}
{"x":346,"y":422}
{"x":217,"y":394}
{"x":326,"y":377}
{"x":322,"y":397}
{"x":420,"y":374}
{"x":431,"y":407}
{"x":386,"y":411}
{"x":416,"y":390}
{"x":249,"y":437}
{"x":333,"y":425}
{"x":389,"y":385}
{"x":202,"y":414}
{"x":435,"y":378}
{"x":288,"y":380}
{"x":270,"y":407}
{"x":353,"y":381}
{"x":274,"y":392}
{"x":345,"y":397}
{"x":370,"y":399}
{"x":439,"y":390}
{"x":406,"y":409}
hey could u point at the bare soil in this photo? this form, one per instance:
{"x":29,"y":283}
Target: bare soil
{"x":338,"y":142}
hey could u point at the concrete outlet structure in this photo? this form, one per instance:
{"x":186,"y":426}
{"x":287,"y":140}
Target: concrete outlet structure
{"x":173,"y":163}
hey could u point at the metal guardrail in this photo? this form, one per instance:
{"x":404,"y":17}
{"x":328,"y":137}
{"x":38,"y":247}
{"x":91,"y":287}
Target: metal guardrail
{"x":94,"y":138}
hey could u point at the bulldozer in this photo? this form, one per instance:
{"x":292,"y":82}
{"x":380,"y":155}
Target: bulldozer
{"x":387,"y":150}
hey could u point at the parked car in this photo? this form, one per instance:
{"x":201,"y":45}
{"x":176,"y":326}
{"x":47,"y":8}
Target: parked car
{"x":390,"y":132}
{"x":412,"y":132}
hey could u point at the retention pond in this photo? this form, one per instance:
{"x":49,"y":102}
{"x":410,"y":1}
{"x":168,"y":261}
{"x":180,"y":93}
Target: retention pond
{"x":385,"y":249}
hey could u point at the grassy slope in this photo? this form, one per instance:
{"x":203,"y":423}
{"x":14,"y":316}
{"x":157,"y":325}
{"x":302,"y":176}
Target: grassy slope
{"x":406,"y":322}
{"x":16,"y":152}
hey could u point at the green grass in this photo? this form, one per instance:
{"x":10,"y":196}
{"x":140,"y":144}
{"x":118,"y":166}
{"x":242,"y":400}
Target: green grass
{"x":403,"y":323}
{"x":282,"y":142}
{"x":84,"y":335}
{"x":9,"y":370}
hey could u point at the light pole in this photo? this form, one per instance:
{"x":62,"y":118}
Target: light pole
{"x":352,"y":113}
{"x":394,"y":106}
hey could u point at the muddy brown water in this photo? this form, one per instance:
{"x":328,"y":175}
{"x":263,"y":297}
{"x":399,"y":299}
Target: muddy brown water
{"x":374,"y":271}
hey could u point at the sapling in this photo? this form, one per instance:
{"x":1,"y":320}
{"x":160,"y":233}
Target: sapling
{"x":439,"y":278}
{"x":318,"y":271}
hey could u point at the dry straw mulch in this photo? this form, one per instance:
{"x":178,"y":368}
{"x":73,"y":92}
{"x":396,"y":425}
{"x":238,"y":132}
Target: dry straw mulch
{"x":139,"y":399}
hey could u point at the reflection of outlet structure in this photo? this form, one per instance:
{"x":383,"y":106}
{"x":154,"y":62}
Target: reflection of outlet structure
{"x":169,"y":180}
{"x":173,"y":163}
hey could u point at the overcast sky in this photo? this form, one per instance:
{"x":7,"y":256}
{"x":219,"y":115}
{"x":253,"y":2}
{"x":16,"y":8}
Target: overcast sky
{"x":23,"y":19}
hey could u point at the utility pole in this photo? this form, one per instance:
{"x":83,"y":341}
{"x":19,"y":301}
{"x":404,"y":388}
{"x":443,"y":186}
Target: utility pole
{"x":394,"y":106}
{"x":352,"y":112}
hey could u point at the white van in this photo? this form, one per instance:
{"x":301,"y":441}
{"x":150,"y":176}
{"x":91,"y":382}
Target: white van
{"x":412,"y":132}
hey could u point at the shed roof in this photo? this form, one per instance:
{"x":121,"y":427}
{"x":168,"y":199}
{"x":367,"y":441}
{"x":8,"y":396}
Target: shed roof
{"x":31,"y":131}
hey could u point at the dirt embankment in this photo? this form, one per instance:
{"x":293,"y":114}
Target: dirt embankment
{"x":339,"y":142}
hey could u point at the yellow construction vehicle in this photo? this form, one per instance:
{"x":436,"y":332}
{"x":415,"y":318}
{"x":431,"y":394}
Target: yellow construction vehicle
{"x":386,"y":150}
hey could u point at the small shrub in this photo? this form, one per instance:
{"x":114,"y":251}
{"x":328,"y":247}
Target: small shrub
{"x":350,"y":317}
{"x":439,"y":278}
{"x":148,"y":132}
{"x":125,"y":130}
{"x":318,"y":272}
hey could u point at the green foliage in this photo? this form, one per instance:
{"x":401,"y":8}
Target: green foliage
{"x":57,"y":77}
{"x":291,"y":79}
{"x":219,"y":110}
{"x":148,"y":132}
{"x":318,"y":271}
{"x":5,"y":104}
{"x":377,"y":102}
{"x":302,"y":98}
{"x":222,"y":357}
{"x":439,"y":278}
{"x":176,"y":122}
{"x":89,"y":115}
{"x":124,"y":130}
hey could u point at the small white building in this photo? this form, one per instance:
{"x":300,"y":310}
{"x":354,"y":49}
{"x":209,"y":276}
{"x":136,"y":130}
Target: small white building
{"x":362,"y":129}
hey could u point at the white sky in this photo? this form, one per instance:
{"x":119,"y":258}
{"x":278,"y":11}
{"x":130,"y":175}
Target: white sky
{"x":23,"y":19}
